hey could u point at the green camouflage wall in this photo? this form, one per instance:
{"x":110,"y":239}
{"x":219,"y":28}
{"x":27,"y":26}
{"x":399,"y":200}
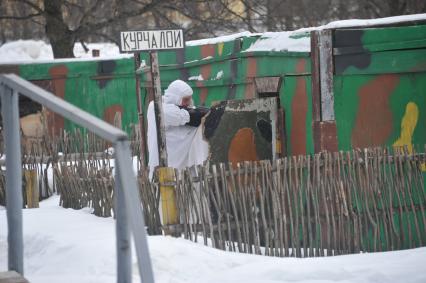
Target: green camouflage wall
{"x":380,"y":95}
{"x":105,"y":87}
{"x":101,"y":88}
{"x":380,"y":86}
{"x":225,"y":70}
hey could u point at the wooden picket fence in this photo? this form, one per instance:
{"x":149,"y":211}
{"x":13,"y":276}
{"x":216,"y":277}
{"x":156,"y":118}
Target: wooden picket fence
{"x":303,"y":206}
{"x":77,"y":159}
{"x":306,"y":206}
{"x":89,"y":182}
{"x":35,"y":165}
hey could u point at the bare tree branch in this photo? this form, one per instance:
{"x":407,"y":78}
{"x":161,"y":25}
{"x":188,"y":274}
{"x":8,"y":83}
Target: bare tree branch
{"x":86,"y":49}
{"x":83,"y":30}
{"x":108,"y":37}
{"x":34,"y":20}
{"x":245,"y":19}
{"x":29,"y":3}
{"x":73,"y":5}
{"x":26,"y":17}
{"x":65,"y":22}
{"x":88,"y":13}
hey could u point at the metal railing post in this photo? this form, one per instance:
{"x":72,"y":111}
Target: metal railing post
{"x":124,"y":252}
{"x":124,"y":166}
{"x":10,"y":113}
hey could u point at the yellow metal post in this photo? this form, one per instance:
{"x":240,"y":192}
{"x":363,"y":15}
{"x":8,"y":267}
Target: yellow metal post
{"x":31,"y":188}
{"x":167,"y":180}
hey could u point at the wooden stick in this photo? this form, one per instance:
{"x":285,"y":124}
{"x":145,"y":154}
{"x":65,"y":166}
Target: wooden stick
{"x":232,"y":191}
{"x":218,"y":203}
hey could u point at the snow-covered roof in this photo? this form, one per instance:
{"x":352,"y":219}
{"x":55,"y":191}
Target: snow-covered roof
{"x":31,"y":51}
{"x":374,"y":22}
{"x":299,"y":40}
{"x":218,"y":39}
{"x":292,"y":41}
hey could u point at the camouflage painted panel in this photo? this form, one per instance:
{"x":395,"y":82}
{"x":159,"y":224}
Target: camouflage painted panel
{"x":380,"y":50}
{"x":240,"y":130}
{"x":377,"y":110}
{"x":102,"y":88}
{"x":380,"y":86}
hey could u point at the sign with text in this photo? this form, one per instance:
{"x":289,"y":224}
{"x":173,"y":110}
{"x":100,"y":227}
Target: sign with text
{"x":133,"y":41}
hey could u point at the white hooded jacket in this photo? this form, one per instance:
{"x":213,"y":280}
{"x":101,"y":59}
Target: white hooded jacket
{"x":179,"y":137}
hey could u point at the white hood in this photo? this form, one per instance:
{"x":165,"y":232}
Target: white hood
{"x":176,"y":91}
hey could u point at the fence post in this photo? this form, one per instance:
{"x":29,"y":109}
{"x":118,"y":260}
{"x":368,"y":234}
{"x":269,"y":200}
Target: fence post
{"x":10,"y":113}
{"x":124,"y":252}
{"x":166,"y":174}
{"x":133,"y":207}
{"x":326,"y":71}
{"x":141,"y":118}
{"x":167,"y":180}
{"x":324,"y":124}
{"x":158,"y":110}
{"x":31,"y":188}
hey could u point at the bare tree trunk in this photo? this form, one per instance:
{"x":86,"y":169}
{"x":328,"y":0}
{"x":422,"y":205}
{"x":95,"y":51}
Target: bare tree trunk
{"x":397,"y":7}
{"x":65,"y":22}
{"x":289,"y":16}
{"x":248,"y":14}
{"x":60,"y":36}
{"x":270,"y":24}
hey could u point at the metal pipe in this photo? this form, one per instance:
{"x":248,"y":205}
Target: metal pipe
{"x":124,"y":252}
{"x":10,"y":113}
{"x":134,"y":209}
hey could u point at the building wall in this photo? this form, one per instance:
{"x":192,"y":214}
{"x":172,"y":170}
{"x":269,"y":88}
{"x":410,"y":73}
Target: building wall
{"x":379,"y":85}
{"x":101,"y":88}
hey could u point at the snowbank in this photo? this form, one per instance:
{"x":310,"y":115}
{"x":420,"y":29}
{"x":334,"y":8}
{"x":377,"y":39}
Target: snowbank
{"x":31,"y":51}
{"x":65,"y":245}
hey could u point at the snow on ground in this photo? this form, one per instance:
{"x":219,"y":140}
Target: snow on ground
{"x":65,"y":245}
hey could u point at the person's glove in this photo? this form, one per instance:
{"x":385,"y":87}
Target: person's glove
{"x":195,"y":116}
{"x":203,"y":110}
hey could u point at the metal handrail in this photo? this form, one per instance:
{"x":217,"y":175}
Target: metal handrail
{"x":129,"y":213}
